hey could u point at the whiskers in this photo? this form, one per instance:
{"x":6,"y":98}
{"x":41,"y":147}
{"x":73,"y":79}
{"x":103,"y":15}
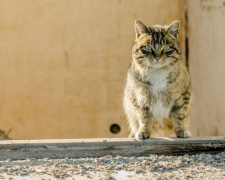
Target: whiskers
{"x":171,"y":64}
{"x":146,"y":66}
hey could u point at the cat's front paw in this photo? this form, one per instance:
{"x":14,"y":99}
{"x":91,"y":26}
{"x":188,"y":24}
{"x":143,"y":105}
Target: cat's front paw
{"x":131,"y":135}
{"x":184,"y":134}
{"x":142,"y":135}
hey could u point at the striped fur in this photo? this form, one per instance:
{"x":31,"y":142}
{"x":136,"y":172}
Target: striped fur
{"x":157,"y":96}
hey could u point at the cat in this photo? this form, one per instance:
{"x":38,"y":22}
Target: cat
{"x":157,"y":95}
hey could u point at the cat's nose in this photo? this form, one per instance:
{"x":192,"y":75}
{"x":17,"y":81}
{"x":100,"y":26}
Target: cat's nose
{"x":157,"y":58}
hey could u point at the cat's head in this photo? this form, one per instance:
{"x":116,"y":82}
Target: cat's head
{"x":156,"y":46}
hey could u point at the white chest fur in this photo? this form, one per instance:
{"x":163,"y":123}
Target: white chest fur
{"x":159,"y":110}
{"x":158,"y":80}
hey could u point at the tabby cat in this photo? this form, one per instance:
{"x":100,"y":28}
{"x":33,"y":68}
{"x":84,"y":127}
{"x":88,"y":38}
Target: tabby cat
{"x":157,"y":96}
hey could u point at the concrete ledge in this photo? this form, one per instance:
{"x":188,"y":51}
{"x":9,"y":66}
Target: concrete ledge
{"x":74,"y":148}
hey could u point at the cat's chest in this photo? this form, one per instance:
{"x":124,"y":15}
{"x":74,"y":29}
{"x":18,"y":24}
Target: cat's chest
{"x":158,"y":80}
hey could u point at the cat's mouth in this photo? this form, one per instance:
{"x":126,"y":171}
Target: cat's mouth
{"x":157,"y":61}
{"x":157,"y":64}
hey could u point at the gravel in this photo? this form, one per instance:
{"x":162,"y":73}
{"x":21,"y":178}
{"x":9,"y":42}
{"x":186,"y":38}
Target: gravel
{"x":201,"y":166}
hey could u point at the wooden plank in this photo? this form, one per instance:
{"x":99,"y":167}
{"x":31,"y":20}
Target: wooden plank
{"x":74,"y":148}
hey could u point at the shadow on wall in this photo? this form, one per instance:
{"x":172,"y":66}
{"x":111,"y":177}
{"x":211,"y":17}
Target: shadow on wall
{"x":4,"y":136}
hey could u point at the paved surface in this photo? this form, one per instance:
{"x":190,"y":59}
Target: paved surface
{"x":203,"y":166}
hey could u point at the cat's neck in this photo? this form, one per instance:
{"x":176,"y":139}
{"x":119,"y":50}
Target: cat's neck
{"x":144,"y":74}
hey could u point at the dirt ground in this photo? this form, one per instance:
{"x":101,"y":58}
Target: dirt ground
{"x":203,"y":166}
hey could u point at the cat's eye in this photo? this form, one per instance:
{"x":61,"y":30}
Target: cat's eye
{"x":166,"y":49}
{"x":146,"y":49}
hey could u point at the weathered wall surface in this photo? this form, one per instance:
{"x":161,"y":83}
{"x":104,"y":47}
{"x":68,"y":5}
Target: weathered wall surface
{"x":63,"y":63}
{"x":207,"y":65}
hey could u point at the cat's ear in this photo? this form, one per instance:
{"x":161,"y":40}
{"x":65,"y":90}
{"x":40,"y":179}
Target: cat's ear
{"x":173,"y":28}
{"x":140,"y":28}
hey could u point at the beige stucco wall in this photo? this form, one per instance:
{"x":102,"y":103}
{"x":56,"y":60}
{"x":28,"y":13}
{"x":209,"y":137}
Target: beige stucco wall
{"x":207,"y":65}
{"x":63,"y":63}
